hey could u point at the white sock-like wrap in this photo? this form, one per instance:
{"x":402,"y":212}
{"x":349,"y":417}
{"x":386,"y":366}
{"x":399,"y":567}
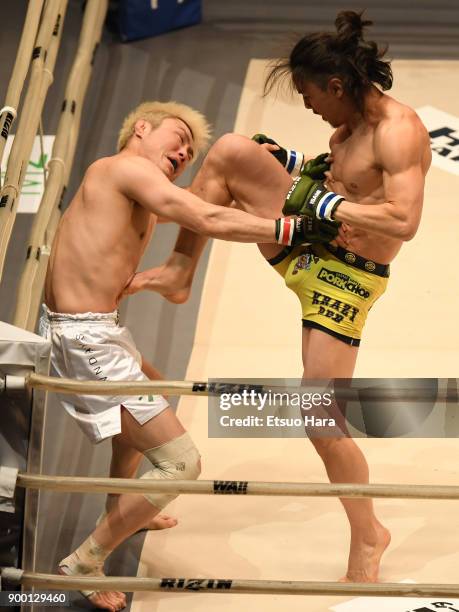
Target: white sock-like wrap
{"x":87,"y":560}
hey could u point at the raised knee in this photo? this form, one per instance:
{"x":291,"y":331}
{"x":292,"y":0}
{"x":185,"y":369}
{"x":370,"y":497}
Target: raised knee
{"x":230,"y":148}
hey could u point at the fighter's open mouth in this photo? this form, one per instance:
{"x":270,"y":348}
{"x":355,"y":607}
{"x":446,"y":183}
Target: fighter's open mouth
{"x":173,"y":162}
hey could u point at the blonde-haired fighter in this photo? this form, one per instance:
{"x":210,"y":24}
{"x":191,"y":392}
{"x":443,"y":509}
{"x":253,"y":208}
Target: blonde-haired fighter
{"x":155,"y":112}
{"x":97,"y":249}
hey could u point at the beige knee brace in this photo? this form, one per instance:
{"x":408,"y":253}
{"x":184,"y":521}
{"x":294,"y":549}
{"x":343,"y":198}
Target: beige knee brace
{"x":174,"y":460}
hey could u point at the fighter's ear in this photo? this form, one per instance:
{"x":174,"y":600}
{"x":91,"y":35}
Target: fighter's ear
{"x":335,"y":87}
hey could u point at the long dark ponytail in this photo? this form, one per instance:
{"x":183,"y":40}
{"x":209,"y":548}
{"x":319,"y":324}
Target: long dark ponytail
{"x":344,"y":53}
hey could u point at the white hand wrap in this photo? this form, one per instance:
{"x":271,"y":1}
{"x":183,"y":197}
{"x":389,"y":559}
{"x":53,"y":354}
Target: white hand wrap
{"x":285,"y":229}
{"x":324,"y":203}
{"x":295,"y":162}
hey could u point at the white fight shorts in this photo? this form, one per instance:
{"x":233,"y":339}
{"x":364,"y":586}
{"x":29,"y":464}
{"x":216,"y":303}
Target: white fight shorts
{"x":92,"y":346}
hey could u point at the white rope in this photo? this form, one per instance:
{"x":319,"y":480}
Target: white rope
{"x":9,"y":109}
{"x":83,"y":484}
{"x":230,"y":586}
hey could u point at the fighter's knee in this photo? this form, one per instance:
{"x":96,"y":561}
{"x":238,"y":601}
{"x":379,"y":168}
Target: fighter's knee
{"x":178,"y":459}
{"x":190,"y":467}
{"x":230,"y":148}
{"x":324,"y":446}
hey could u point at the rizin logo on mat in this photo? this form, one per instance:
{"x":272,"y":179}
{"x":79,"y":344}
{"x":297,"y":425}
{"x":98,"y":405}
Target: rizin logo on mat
{"x":444,"y":137}
{"x":445,"y":142}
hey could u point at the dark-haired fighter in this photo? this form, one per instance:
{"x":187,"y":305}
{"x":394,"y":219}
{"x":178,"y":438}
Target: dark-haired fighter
{"x":380,"y":155}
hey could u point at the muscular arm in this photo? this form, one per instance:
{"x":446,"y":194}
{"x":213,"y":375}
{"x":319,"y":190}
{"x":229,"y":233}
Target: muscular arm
{"x":174,"y":278}
{"x":141,"y":181}
{"x":401,"y":151}
{"x":182,"y":262}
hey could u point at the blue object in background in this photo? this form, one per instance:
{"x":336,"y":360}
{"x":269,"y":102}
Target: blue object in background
{"x":143,"y":18}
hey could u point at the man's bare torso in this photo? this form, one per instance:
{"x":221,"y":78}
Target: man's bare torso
{"x":355,"y":174}
{"x":98,"y":246}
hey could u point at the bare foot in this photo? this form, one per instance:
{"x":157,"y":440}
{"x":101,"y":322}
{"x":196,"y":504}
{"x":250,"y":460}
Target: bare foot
{"x":105,"y":600}
{"x":365,"y":557}
{"x":161,"y":521}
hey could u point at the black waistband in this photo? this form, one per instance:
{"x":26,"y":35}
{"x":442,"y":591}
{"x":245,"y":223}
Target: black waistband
{"x":280,"y":256}
{"x":357,"y":261}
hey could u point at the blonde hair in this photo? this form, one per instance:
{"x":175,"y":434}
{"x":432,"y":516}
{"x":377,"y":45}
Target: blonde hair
{"x":156,"y":112}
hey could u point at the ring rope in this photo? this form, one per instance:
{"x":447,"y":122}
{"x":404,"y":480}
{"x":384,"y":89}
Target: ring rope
{"x":217,"y":585}
{"x":11,"y":187}
{"x":31,"y":282}
{"x":183,"y":387}
{"x":82,"y":484}
{"x":8,"y":110}
{"x":56,"y":160}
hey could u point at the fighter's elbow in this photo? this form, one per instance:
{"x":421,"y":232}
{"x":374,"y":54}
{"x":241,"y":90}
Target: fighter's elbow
{"x":405,"y":221}
{"x":409,"y":234}
{"x":408,"y":229}
{"x":401,"y":231}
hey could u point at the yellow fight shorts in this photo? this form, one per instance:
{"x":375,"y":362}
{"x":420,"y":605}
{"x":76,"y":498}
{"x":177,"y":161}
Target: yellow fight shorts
{"x":336,"y":288}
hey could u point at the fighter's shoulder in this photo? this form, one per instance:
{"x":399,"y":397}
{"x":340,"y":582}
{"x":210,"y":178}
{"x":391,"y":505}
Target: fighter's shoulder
{"x":121,"y":163}
{"x":398,"y":121}
{"x":400,"y":132}
{"x":119,"y":170}
{"x":100,"y":169}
